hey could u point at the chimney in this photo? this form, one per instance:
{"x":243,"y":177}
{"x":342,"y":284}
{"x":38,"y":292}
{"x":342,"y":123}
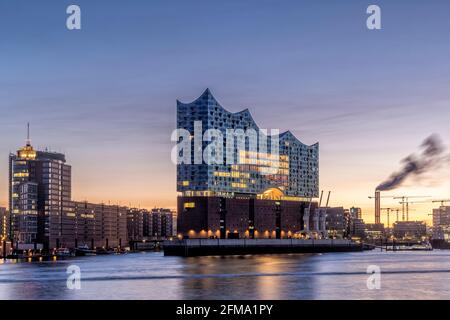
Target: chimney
{"x":377,"y":207}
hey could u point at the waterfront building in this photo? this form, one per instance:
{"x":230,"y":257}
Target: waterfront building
{"x":336,"y":222}
{"x":355,"y":213}
{"x":87,"y":225}
{"x":147,"y":220}
{"x":253,"y":193}
{"x":135,"y":224}
{"x":99,"y":225}
{"x":4,"y":223}
{"x":159,"y":223}
{"x":410,"y":230}
{"x":374,"y":230}
{"x":441,"y":223}
{"x":162,"y":223}
{"x":355,"y":224}
{"x":174,"y":223}
{"x":357,"y":228}
{"x":296,"y":175}
{"x":39,"y":197}
{"x":139,"y":224}
{"x":114,"y":225}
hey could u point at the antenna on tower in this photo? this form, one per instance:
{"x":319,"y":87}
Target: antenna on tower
{"x":28,"y":135}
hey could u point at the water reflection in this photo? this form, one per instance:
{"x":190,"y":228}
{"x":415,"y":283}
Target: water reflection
{"x":153,"y":276}
{"x":246,"y":277}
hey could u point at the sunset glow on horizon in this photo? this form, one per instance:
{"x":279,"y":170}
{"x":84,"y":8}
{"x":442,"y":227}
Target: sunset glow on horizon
{"x":106,"y":96}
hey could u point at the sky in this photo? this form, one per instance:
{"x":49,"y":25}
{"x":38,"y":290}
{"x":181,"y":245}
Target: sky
{"x":106,"y":95}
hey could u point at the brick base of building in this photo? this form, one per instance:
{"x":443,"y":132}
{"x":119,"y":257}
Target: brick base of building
{"x":199,"y":217}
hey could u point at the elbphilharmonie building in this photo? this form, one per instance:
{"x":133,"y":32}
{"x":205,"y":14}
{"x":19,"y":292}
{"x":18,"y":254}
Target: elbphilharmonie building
{"x":249,"y":172}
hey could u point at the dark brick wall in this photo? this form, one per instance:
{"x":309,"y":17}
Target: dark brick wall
{"x":203,"y":220}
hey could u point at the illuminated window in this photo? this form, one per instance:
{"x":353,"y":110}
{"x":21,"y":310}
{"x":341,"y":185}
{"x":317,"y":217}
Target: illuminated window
{"x":27,"y":153}
{"x":239,"y":185}
{"x":20,"y":174}
{"x":221,"y":174}
{"x":189,"y":205}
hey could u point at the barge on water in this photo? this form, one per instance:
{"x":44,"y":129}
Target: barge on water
{"x":212,"y":247}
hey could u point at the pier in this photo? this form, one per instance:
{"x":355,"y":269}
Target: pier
{"x":211,"y":247}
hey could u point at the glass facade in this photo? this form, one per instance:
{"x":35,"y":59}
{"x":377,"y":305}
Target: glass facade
{"x":23,"y":195}
{"x":39,"y":196}
{"x":294,"y":170}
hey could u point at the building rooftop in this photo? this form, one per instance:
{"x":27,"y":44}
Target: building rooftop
{"x":208,"y":96}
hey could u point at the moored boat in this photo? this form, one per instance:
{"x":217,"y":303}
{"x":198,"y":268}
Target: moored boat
{"x":63,"y":252}
{"x":84,"y":251}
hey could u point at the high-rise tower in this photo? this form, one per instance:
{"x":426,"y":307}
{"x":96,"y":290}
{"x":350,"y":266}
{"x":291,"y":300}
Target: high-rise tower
{"x":39,"y":196}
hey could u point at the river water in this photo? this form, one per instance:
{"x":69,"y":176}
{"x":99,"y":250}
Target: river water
{"x":404,"y":275}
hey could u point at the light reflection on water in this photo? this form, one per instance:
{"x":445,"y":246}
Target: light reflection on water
{"x":405,"y":275}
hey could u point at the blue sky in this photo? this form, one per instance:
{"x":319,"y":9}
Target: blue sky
{"x":105,"y":95}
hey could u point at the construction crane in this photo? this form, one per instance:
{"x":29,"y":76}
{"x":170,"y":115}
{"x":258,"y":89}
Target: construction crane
{"x":397,"y":211}
{"x":388,"y":211}
{"x":442,"y":201}
{"x":377,"y":198}
{"x":372,"y":197}
{"x":405,"y":201}
{"x":408,"y":209}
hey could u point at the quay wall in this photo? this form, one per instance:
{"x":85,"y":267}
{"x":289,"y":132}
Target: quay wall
{"x":207,"y":247}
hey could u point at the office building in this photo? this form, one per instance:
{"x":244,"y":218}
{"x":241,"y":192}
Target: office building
{"x":374,"y":230}
{"x":4,"y":223}
{"x":413,"y":230}
{"x":357,"y":228}
{"x":336,"y":222}
{"x":174,"y":224}
{"x":43,"y":215}
{"x":99,"y":225}
{"x":441,"y":223}
{"x":259,"y":191}
{"x":39,"y":197}
{"x":159,"y":223}
{"x":355,"y":213}
{"x":135,"y":224}
{"x":162,"y":223}
{"x":139,"y":224}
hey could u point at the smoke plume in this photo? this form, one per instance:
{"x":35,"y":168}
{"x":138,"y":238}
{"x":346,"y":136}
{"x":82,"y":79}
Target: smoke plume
{"x":431,"y":156}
